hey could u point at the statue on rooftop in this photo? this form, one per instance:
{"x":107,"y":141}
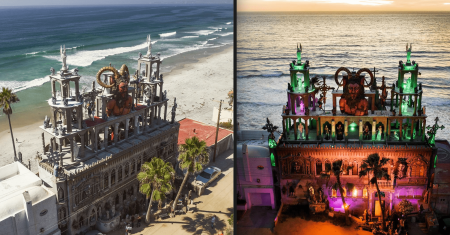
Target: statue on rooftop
{"x":352,"y":101}
{"x":52,"y":71}
{"x":62,"y":51}
{"x":121,"y":102}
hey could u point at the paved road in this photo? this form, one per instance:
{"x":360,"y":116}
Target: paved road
{"x":217,"y":200}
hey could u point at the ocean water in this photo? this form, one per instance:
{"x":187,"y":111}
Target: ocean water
{"x":30,"y":39}
{"x":266,"y":44}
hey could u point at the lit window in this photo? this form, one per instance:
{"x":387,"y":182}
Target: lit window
{"x":365,"y":193}
{"x":333,"y":193}
{"x":355,"y":192}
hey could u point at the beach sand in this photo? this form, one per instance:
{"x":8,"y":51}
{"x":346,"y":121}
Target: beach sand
{"x":196,"y":86}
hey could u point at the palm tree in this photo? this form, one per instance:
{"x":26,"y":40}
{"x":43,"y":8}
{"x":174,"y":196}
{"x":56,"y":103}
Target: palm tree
{"x":155,"y":178}
{"x":7,"y":97}
{"x":337,"y":170}
{"x":193,"y":155}
{"x":374,"y":166}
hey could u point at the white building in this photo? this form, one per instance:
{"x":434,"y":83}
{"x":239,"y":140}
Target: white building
{"x":27,"y":206}
{"x":255,"y":180}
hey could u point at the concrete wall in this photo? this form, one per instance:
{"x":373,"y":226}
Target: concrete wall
{"x":222,"y":146}
{"x":48,"y":221}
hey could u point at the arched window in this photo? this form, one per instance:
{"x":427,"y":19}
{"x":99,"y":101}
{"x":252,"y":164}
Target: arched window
{"x":105,"y":181}
{"x":127,"y":169}
{"x":344,"y":167}
{"x":60,"y":194}
{"x":113,"y":177}
{"x":418,"y":169}
{"x":119,"y":174}
{"x":139,"y":165}
{"x":124,"y":195}
{"x":92,"y":219}
{"x":333,"y":193}
{"x":327,"y":165}
{"x":355,"y":168}
{"x":365,"y":193}
{"x":77,"y":199}
{"x":62,"y":213}
{"x":318,"y":167}
{"x":81,"y":222}
{"x":132,"y":166}
{"x":84,"y":195}
{"x":98,"y":212}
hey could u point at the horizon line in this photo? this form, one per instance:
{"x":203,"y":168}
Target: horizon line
{"x":365,"y":11}
{"x":115,"y":4}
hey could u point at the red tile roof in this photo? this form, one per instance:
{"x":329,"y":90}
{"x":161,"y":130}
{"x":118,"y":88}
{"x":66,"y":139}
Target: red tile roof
{"x":202,"y":131}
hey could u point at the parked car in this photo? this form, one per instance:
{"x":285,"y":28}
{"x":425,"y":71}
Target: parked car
{"x":207,"y":176}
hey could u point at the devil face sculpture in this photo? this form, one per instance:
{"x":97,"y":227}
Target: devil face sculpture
{"x":353,"y":101}
{"x":121,"y":102}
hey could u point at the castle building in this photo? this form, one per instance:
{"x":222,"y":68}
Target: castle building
{"x":363,"y":121}
{"x":99,"y":140}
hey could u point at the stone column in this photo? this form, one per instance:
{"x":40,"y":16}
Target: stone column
{"x":360,"y":129}
{"x":53,"y":87}
{"x":43,"y":143}
{"x":150,"y":65}
{"x":374,"y":125}
{"x":72,"y":154}
{"x":136,"y":124}
{"x":103,"y":106}
{"x":77,"y":90}
{"x":60,"y":145}
{"x":96,"y":132}
{"x":127,"y":121}
{"x":333,"y":130}
{"x":165,"y":111}
{"x":80,"y":117}
{"x":116,"y":132}
{"x":159,"y":114}
{"x":346,"y":130}
{"x":157,"y":68}
{"x":415,"y":105}
{"x":387,"y":132}
{"x":306,"y":129}
{"x":82,"y":145}
{"x":109,"y":179}
{"x":412,"y":130}
{"x":105,"y":138}
{"x":160,"y":91}
{"x":69,"y":120}
{"x":400,"y":106}
{"x":145,"y":119}
{"x":152,"y":116}
{"x":295,"y":129}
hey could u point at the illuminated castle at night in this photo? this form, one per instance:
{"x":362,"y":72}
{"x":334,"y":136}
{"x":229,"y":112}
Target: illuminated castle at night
{"x":365,"y":119}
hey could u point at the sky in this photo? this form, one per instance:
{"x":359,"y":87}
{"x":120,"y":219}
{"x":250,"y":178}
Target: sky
{"x":8,"y":3}
{"x":343,"y":5}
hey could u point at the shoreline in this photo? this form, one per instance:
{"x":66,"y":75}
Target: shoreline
{"x":195,"y":85}
{"x":37,"y":114}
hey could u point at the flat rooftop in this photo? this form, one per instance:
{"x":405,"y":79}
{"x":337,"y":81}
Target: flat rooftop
{"x":190,"y":128}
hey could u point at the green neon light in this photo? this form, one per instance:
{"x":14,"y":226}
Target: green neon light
{"x":272,"y":143}
{"x":353,"y":126}
{"x":435,"y":161}
{"x":272,"y":159}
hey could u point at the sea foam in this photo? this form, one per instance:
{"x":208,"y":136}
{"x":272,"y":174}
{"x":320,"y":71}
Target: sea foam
{"x":86,"y":58}
{"x":17,"y":86}
{"x":163,"y":35}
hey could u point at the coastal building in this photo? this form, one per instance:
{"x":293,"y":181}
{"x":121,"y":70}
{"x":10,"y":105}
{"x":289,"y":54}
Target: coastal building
{"x":255,"y":183}
{"x":363,"y":121}
{"x":190,"y":128}
{"x":27,"y":205}
{"x":99,"y":140}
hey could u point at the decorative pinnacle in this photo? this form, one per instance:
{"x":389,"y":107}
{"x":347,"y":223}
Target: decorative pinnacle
{"x":149,"y":44}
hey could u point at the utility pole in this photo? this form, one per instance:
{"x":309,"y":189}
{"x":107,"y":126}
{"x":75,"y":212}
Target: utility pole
{"x":217,"y":131}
